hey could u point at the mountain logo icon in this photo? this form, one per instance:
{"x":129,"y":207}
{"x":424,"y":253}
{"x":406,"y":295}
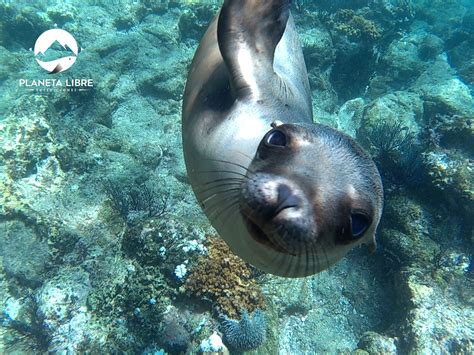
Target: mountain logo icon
{"x":49,"y":38}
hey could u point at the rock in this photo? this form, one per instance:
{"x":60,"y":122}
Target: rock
{"x":401,"y":107}
{"x":149,"y":154}
{"x":451,"y":172}
{"x":409,"y":249}
{"x":401,"y":59}
{"x":318,"y":48}
{"x":193,"y":22}
{"x":61,"y":305}
{"x":375,"y":343}
{"x":25,"y":255}
{"x":430,"y":47}
{"x":7,"y":61}
{"x":353,"y":68}
{"x":442,"y":90}
{"x":462,"y":58}
{"x":62,"y":13}
{"x":63,"y":294}
{"x":21,"y":27}
{"x":437,"y":321}
{"x":324,"y":97}
{"x":350,"y":115}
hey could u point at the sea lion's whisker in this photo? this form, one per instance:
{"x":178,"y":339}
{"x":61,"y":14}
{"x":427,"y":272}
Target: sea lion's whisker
{"x":325,"y":256}
{"x":232,"y":212}
{"x":314,"y":259}
{"x":245,"y":168}
{"x":277,"y":240}
{"x":307,"y":257}
{"x":233,"y":191}
{"x":245,"y":155}
{"x":319,"y":256}
{"x":285,"y":263}
{"x":302,"y":258}
{"x":216,"y":211}
{"x":210,"y":188}
{"x":224,"y":179}
{"x":277,"y":257}
{"x":216,"y":183}
{"x":216,"y":194}
{"x":221,"y":171}
{"x":290,"y":260}
{"x":221,"y":211}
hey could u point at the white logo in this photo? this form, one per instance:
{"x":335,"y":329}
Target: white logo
{"x":46,"y":40}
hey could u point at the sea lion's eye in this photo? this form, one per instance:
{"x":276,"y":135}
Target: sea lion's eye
{"x":276,"y":138}
{"x":359,"y":224}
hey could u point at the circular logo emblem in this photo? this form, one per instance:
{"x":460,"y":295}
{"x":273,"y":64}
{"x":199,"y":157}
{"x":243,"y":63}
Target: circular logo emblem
{"x":51,"y":38}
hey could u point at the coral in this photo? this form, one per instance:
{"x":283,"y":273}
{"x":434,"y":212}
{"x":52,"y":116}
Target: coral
{"x":225,"y":279}
{"x":388,"y":137}
{"x":390,"y":131}
{"x":248,"y":333}
{"x":180,"y":271}
{"x":396,"y":152}
{"x":400,"y":10}
{"x":138,"y":200}
{"x":212,"y":344}
{"x":355,"y":26}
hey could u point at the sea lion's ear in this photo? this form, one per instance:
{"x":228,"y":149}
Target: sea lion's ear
{"x":248,"y":32}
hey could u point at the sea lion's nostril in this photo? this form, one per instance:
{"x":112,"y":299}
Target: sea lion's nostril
{"x":284,"y":192}
{"x":286,"y":199}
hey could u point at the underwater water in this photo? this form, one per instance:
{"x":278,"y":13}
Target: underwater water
{"x":103,"y":246}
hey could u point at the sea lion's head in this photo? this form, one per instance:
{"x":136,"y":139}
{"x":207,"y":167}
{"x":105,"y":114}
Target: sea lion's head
{"x":310,"y":195}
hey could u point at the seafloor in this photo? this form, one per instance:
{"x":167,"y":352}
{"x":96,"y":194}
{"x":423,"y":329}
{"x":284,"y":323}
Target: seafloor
{"x":105,"y":250}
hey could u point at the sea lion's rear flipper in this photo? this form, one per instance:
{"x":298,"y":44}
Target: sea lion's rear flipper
{"x":248,"y":32}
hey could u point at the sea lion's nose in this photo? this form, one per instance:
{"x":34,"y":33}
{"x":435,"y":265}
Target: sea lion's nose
{"x":286,"y":199}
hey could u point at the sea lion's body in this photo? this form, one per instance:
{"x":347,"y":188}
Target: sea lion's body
{"x":245,"y":75}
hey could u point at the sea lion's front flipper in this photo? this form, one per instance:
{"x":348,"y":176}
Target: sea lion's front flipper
{"x":248,"y":32}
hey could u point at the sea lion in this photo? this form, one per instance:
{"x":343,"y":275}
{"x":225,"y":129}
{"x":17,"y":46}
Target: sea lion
{"x":289,"y":196}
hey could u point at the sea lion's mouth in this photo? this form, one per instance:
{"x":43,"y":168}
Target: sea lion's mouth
{"x":261,"y":237}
